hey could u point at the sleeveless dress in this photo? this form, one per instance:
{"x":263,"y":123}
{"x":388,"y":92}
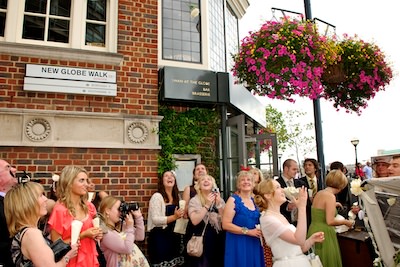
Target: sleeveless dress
{"x":16,"y":253}
{"x":328,"y":251}
{"x":285,"y":253}
{"x":243,"y":250}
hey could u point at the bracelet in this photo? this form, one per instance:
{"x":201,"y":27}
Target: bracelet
{"x":245,"y":230}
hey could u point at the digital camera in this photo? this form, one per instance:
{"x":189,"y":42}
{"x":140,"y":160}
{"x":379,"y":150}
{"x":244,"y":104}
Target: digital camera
{"x":215,"y":190}
{"x":126,"y":207}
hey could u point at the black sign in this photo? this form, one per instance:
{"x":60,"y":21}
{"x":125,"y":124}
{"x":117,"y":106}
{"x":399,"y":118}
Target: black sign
{"x":188,"y":85}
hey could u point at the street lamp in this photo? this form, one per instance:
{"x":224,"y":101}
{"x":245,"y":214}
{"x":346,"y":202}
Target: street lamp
{"x":280,"y":167}
{"x":355,"y":142}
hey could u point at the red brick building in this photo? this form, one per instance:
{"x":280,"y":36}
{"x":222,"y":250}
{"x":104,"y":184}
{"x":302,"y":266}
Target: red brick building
{"x":60,"y":120}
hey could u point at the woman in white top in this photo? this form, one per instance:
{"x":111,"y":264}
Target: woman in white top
{"x":164,"y":245}
{"x":287,"y":242}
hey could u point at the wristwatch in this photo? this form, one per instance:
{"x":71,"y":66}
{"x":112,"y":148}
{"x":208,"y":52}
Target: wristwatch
{"x":66,"y":259}
{"x":245,"y":230}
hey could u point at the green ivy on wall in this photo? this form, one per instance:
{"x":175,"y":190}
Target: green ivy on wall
{"x":194,"y":131}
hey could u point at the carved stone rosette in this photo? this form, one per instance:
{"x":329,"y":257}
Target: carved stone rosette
{"x":37,"y":129}
{"x":138,"y":132}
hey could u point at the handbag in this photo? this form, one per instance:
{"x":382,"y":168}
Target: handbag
{"x":195,"y":245}
{"x":314,"y":259}
{"x":60,"y":249}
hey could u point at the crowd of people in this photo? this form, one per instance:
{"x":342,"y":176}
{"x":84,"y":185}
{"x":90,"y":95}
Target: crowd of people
{"x":258,"y":225}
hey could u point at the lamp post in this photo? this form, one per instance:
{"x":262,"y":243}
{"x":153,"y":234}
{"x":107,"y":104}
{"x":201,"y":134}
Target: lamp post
{"x":355,"y":142}
{"x":280,"y":167}
{"x":317,"y":114}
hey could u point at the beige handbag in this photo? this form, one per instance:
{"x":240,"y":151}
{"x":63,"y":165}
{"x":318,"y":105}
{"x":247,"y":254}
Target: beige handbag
{"x":195,"y":245}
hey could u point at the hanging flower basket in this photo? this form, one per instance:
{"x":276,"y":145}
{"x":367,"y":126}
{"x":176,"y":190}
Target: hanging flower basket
{"x":366,"y":72}
{"x":284,"y":58}
{"x":289,"y":58}
{"x":334,"y":74}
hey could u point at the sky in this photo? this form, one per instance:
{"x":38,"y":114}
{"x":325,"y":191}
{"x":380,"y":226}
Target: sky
{"x":377,"y":126}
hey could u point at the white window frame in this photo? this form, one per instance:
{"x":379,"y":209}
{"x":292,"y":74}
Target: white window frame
{"x":15,"y":17}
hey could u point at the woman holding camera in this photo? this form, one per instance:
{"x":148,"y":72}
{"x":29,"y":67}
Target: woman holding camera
{"x":118,"y":246}
{"x":205,"y":210}
{"x":22,"y":220}
{"x":164,"y":245}
{"x":72,"y":204}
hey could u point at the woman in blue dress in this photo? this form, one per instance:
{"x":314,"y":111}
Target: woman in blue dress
{"x":241,"y":220}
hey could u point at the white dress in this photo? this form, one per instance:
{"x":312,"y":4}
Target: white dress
{"x":284,"y":254}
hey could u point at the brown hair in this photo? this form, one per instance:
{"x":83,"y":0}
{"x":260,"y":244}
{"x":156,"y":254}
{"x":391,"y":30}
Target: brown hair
{"x":175,"y":190}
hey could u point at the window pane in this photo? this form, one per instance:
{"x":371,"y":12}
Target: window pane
{"x":2,"y":23}
{"x":181,"y":21}
{"x":58,"y":30}
{"x":3,"y":4}
{"x":33,"y":28}
{"x":36,"y":6}
{"x":96,"y":10}
{"x":95,"y":34}
{"x":60,"y":8}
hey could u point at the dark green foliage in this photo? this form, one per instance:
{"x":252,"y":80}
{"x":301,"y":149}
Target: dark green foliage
{"x":190,"y":132}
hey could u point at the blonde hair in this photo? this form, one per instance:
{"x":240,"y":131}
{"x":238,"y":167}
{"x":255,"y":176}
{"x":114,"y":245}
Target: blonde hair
{"x":64,"y":188}
{"x":336,"y":179}
{"x":265,"y":187}
{"x":243,"y":174}
{"x":198,"y":190}
{"x":107,"y":203}
{"x":21,"y":206}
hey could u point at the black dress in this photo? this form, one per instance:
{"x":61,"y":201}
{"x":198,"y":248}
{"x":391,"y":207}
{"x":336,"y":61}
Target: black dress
{"x":5,"y":240}
{"x":214,"y":246}
{"x":165,"y":246}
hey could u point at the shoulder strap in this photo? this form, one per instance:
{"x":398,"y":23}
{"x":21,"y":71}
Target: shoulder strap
{"x":205,"y":225}
{"x":21,"y":233}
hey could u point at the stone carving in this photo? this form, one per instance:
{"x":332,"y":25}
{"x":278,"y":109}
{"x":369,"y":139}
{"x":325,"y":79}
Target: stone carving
{"x":37,"y":129}
{"x":137,"y":132}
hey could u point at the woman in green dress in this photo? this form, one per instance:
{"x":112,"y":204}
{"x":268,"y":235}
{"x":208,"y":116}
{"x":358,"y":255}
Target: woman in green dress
{"x":323,"y":213}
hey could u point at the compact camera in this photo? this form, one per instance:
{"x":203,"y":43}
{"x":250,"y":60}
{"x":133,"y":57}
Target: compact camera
{"x":126,"y":207}
{"x":215,"y":190}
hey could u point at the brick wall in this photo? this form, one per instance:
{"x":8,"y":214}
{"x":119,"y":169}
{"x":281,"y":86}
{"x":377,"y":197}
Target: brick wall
{"x":128,"y":174}
{"x":123,"y":172}
{"x":136,"y":77}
